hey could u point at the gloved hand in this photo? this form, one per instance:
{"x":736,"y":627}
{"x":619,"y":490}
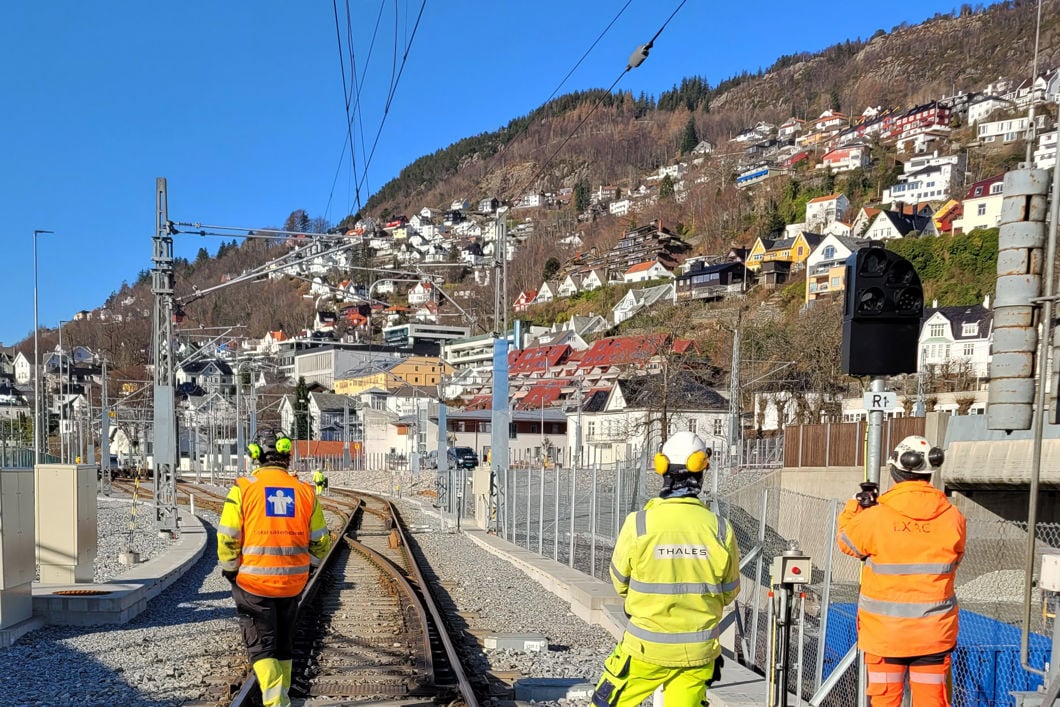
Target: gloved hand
{"x":870,"y":492}
{"x":719,"y":662}
{"x":230,"y":575}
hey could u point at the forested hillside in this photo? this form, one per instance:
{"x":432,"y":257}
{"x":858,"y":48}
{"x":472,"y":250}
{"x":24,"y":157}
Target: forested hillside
{"x":627,"y":136}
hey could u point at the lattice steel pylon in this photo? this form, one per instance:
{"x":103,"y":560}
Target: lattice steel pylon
{"x":165,"y":412}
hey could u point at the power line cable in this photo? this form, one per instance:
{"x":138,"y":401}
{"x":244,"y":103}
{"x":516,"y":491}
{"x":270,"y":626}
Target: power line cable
{"x":347,"y":92}
{"x":356,"y":101}
{"x":393,"y":91}
{"x":635,"y":60}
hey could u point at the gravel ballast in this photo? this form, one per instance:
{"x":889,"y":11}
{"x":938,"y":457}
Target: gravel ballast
{"x":188,"y":633}
{"x":506,"y":600}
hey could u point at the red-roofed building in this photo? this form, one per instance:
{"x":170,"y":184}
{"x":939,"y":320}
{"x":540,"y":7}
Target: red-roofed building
{"x":621,"y":351}
{"x":537,"y":359}
{"x":524,"y":300}
{"x":542,"y":395}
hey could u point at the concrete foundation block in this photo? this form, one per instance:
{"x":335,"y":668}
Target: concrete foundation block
{"x":523,"y":642}
{"x":544,"y":689}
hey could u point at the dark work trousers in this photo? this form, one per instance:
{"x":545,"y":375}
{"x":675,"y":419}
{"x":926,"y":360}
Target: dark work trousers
{"x":267,"y":623}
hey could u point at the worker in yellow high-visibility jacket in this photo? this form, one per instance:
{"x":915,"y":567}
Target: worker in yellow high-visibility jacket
{"x":677,"y":565}
{"x":320,"y":481}
{"x":271,"y":533}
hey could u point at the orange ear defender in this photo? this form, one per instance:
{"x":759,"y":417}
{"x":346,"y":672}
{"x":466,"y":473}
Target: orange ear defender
{"x":661,"y":463}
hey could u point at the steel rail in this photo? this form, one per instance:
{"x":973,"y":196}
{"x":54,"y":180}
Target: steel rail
{"x":463,"y":683}
{"x":249,"y":694}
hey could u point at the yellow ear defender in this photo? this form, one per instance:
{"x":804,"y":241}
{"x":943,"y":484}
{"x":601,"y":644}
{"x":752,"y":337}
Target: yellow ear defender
{"x":283,"y":445}
{"x":255,"y":450}
{"x":697,"y":462}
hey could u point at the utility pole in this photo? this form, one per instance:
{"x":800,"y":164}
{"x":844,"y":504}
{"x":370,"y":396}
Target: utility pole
{"x":165,"y":413}
{"x":735,"y":427}
{"x":104,"y":433}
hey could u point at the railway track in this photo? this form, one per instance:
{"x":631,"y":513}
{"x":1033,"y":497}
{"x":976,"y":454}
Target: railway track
{"x":369,"y":630}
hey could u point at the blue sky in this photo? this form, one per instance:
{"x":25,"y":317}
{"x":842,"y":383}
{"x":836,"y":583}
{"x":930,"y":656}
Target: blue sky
{"x":240,"y":106}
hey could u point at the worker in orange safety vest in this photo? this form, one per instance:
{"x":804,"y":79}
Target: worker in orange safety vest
{"x":271,"y":533}
{"x":911,"y":540}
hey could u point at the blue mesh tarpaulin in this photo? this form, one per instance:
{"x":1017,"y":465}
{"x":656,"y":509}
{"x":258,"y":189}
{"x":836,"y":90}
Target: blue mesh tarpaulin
{"x":986,"y":664}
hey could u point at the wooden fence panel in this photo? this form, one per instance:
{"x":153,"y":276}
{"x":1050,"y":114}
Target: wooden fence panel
{"x":842,"y":443}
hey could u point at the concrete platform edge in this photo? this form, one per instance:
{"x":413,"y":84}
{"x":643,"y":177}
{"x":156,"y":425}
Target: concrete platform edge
{"x":129,"y":593}
{"x":741,"y":686}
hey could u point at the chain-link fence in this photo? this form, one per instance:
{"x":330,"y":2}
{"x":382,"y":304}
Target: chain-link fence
{"x":986,"y":664}
{"x":574,"y":517}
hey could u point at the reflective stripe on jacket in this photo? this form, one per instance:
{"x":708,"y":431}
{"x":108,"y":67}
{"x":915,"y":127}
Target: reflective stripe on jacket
{"x":911,"y":544}
{"x":677,"y":565}
{"x":271,"y":530}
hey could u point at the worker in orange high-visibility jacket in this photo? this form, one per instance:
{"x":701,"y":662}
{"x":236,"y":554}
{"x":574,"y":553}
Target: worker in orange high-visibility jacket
{"x":911,"y":540}
{"x":677,"y":566}
{"x":270,"y":534}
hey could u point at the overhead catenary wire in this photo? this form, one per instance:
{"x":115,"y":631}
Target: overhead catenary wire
{"x":356,"y":99}
{"x":347,"y":91}
{"x":635,"y":60}
{"x":392,"y":93}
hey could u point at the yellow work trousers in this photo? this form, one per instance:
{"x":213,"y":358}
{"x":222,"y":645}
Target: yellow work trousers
{"x":274,"y":680}
{"x":627,"y":682}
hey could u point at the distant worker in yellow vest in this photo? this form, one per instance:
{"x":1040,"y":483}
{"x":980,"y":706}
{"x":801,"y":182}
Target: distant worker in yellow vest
{"x":320,"y":481}
{"x":271,"y":532}
{"x":677,"y":566}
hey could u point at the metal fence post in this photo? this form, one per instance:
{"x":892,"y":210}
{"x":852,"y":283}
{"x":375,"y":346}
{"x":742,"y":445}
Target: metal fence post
{"x":592,"y":522}
{"x":573,"y":489}
{"x":555,"y":519}
{"x":758,"y":576}
{"x":541,"y":514}
{"x":529,"y":478}
{"x":826,"y":596}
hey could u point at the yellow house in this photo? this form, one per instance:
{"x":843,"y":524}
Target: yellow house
{"x":757,"y":253}
{"x":790,"y":250}
{"x":389,"y":375}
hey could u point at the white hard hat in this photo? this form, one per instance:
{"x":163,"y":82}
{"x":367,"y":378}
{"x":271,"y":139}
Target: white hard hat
{"x":686,"y":449}
{"x":914,"y":454}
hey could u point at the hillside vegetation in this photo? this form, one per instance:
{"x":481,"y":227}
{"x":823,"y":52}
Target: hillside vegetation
{"x":627,"y":136}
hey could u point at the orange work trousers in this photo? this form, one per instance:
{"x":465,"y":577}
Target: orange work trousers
{"x":928,"y":678}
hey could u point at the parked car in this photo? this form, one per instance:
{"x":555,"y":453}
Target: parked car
{"x":462,"y":458}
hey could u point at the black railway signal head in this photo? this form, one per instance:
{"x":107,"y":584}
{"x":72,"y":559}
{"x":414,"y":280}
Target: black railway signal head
{"x":883,"y":305}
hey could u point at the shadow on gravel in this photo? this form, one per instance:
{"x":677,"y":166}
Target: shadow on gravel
{"x":42,"y":668}
{"x":476,"y":666}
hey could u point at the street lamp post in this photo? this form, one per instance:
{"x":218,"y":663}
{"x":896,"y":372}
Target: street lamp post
{"x":62,"y":401}
{"x":36,"y":358}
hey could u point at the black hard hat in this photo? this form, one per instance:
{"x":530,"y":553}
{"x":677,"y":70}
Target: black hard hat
{"x":271,"y":446}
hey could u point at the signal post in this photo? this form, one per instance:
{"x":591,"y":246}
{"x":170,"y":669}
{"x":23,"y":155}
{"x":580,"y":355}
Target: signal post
{"x":883,"y":303}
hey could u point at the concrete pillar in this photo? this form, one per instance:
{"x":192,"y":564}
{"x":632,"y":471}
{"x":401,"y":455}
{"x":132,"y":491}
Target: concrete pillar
{"x":935,"y":433}
{"x":65,"y":497}
{"x":480,"y":488}
{"x":16,"y":546}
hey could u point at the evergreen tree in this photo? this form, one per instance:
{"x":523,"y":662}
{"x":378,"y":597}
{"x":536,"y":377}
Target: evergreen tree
{"x":302,"y":422}
{"x":581,"y":196}
{"x":666,"y":188}
{"x":552,"y":266}
{"x":690,"y":138}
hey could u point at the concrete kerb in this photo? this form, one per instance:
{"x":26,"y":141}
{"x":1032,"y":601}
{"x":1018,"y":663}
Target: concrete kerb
{"x":127,"y":595}
{"x":595,"y":602}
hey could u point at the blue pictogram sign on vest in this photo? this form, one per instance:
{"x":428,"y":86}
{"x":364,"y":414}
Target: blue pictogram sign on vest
{"x":280,"y":502}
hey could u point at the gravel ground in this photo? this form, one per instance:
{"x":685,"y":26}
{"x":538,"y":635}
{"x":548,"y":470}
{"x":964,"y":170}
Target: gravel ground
{"x":189,"y":632}
{"x":161,"y":658}
{"x":508,"y":601}
{"x":114,"y":536}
